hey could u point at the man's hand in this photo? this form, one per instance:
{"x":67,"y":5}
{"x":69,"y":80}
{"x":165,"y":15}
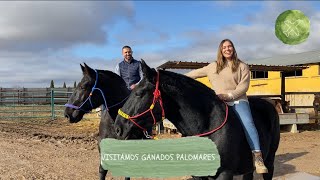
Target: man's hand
{"x":132,"y":86}
{"x":225,"y":97}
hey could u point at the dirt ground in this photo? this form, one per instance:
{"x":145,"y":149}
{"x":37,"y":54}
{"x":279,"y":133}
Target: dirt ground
{"x":40,"y":149}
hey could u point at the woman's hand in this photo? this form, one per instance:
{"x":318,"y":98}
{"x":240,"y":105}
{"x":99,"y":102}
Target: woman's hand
{"x":225,"y":97}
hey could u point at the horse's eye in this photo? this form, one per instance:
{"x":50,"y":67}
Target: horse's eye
{"x":83,"y":87}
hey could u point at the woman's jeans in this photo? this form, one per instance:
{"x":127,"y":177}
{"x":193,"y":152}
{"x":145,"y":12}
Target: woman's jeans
{"x":242,"y":110}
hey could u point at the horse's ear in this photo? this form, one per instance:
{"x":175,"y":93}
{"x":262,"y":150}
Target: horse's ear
{"x":85,"y":65}
{"x":147,"y":71}
{"x":82,"y":68}
{"x":88,"y":70}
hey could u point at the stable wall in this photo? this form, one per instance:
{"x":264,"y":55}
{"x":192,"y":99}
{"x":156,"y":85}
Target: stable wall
{"x":308,"y":82}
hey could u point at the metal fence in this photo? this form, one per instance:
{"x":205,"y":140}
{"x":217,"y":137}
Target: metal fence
{"x":19,"y":103}
{"x":33,"y":102}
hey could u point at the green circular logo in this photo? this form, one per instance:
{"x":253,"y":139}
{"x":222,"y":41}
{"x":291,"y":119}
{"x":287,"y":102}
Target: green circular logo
{"x":292,"y":27}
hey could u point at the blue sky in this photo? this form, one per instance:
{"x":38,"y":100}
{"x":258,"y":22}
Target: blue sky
{"x":44,"y":41}
{"x":169,"y":18}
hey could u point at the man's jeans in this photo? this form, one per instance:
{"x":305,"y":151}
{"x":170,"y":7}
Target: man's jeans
{"x":242,"y":110}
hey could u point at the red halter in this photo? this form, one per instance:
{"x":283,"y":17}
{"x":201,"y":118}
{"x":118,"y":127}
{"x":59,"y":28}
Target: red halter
{"x":157,"y":98}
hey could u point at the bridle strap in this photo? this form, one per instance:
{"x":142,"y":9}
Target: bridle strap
{"x":156,"y":98}
{"x":90,"y":95}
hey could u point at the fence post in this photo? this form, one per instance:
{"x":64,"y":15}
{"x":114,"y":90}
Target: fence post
{"x":1,"y":96}
{"x":283,"y":87}
{"x":52,"y":104}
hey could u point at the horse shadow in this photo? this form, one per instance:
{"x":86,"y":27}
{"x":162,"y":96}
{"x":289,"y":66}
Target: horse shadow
{"x":281,"y":168}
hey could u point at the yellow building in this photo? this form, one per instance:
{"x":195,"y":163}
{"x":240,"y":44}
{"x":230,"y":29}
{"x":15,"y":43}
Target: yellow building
{"x":300,"y":85}
{"x":304,"y":82}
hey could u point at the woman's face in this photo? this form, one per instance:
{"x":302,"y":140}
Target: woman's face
{"x":227,"y":50}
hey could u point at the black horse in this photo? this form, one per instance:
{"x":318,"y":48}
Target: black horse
{"x":96,"y":88}
{"x":196,"y":110}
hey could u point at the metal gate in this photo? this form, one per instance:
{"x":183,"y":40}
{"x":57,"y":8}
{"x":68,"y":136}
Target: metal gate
{"x":42,"y":103}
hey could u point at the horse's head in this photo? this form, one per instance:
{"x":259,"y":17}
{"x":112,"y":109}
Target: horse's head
{"x":316,"y":101}
{"x":86,"y":96}
{"x":141,"y":110}
{"x":286,"y":106}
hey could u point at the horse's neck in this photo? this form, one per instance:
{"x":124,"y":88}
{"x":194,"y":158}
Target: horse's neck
{"x":118,"y":85}
{"x":117,"y":103}
{"x":190,"y":126}
{"x":106,"y":129}
{"x":191,"y":119}
{"x":117,"y":99}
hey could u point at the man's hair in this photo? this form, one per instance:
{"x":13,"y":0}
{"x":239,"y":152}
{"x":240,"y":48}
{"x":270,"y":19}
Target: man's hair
{"x":126,"y":47}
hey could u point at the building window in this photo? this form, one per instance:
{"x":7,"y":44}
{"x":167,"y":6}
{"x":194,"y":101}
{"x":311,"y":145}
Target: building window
{"x":293,"y":73}
{"x":259,"y":74}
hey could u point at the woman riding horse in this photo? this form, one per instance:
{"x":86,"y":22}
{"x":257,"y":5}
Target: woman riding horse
{"x":196,"y":110}
{"x":230,"y":79}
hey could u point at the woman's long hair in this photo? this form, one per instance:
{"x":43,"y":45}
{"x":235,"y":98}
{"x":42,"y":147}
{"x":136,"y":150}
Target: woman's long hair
{"x":222,"y":61}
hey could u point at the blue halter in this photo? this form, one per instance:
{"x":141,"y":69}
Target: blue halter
{"x":89,"y":98}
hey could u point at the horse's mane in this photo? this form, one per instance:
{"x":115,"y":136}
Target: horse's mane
{"x":112,"y":75}
{"x":106,"y":75}
{"x":189,"y":99}
{"x":108,"y":72}
{"x":188,"y":85}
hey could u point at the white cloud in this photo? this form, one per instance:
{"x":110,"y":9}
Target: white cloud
{"x":36,"y":38}
{"x":253,"y":41}
{"x":54,"y":25}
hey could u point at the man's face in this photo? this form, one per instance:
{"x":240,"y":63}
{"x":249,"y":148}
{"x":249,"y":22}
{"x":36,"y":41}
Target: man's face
{"x":127,"y":54}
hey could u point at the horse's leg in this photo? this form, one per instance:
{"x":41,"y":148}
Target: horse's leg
{"x":225,"y":175}
{"x":248,"y":176}
{"x":199,"y":177}
{"x":269,"y":162}
{"x":269,"y":175}
{"x":102,"y":134}
{"x":316,"y":115}
{"x":102,"y":173}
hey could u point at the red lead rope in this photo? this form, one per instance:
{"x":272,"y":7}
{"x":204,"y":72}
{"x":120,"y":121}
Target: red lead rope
{"x":216,"y":129}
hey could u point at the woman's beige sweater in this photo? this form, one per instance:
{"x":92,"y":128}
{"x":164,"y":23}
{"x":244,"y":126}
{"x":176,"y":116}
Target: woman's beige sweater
{"x":226,"y":82}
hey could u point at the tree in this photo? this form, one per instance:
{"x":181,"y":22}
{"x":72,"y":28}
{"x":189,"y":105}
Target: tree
{"x":75,"y":84}
{"x":64,"y":85}
{"x":52,"y":84}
